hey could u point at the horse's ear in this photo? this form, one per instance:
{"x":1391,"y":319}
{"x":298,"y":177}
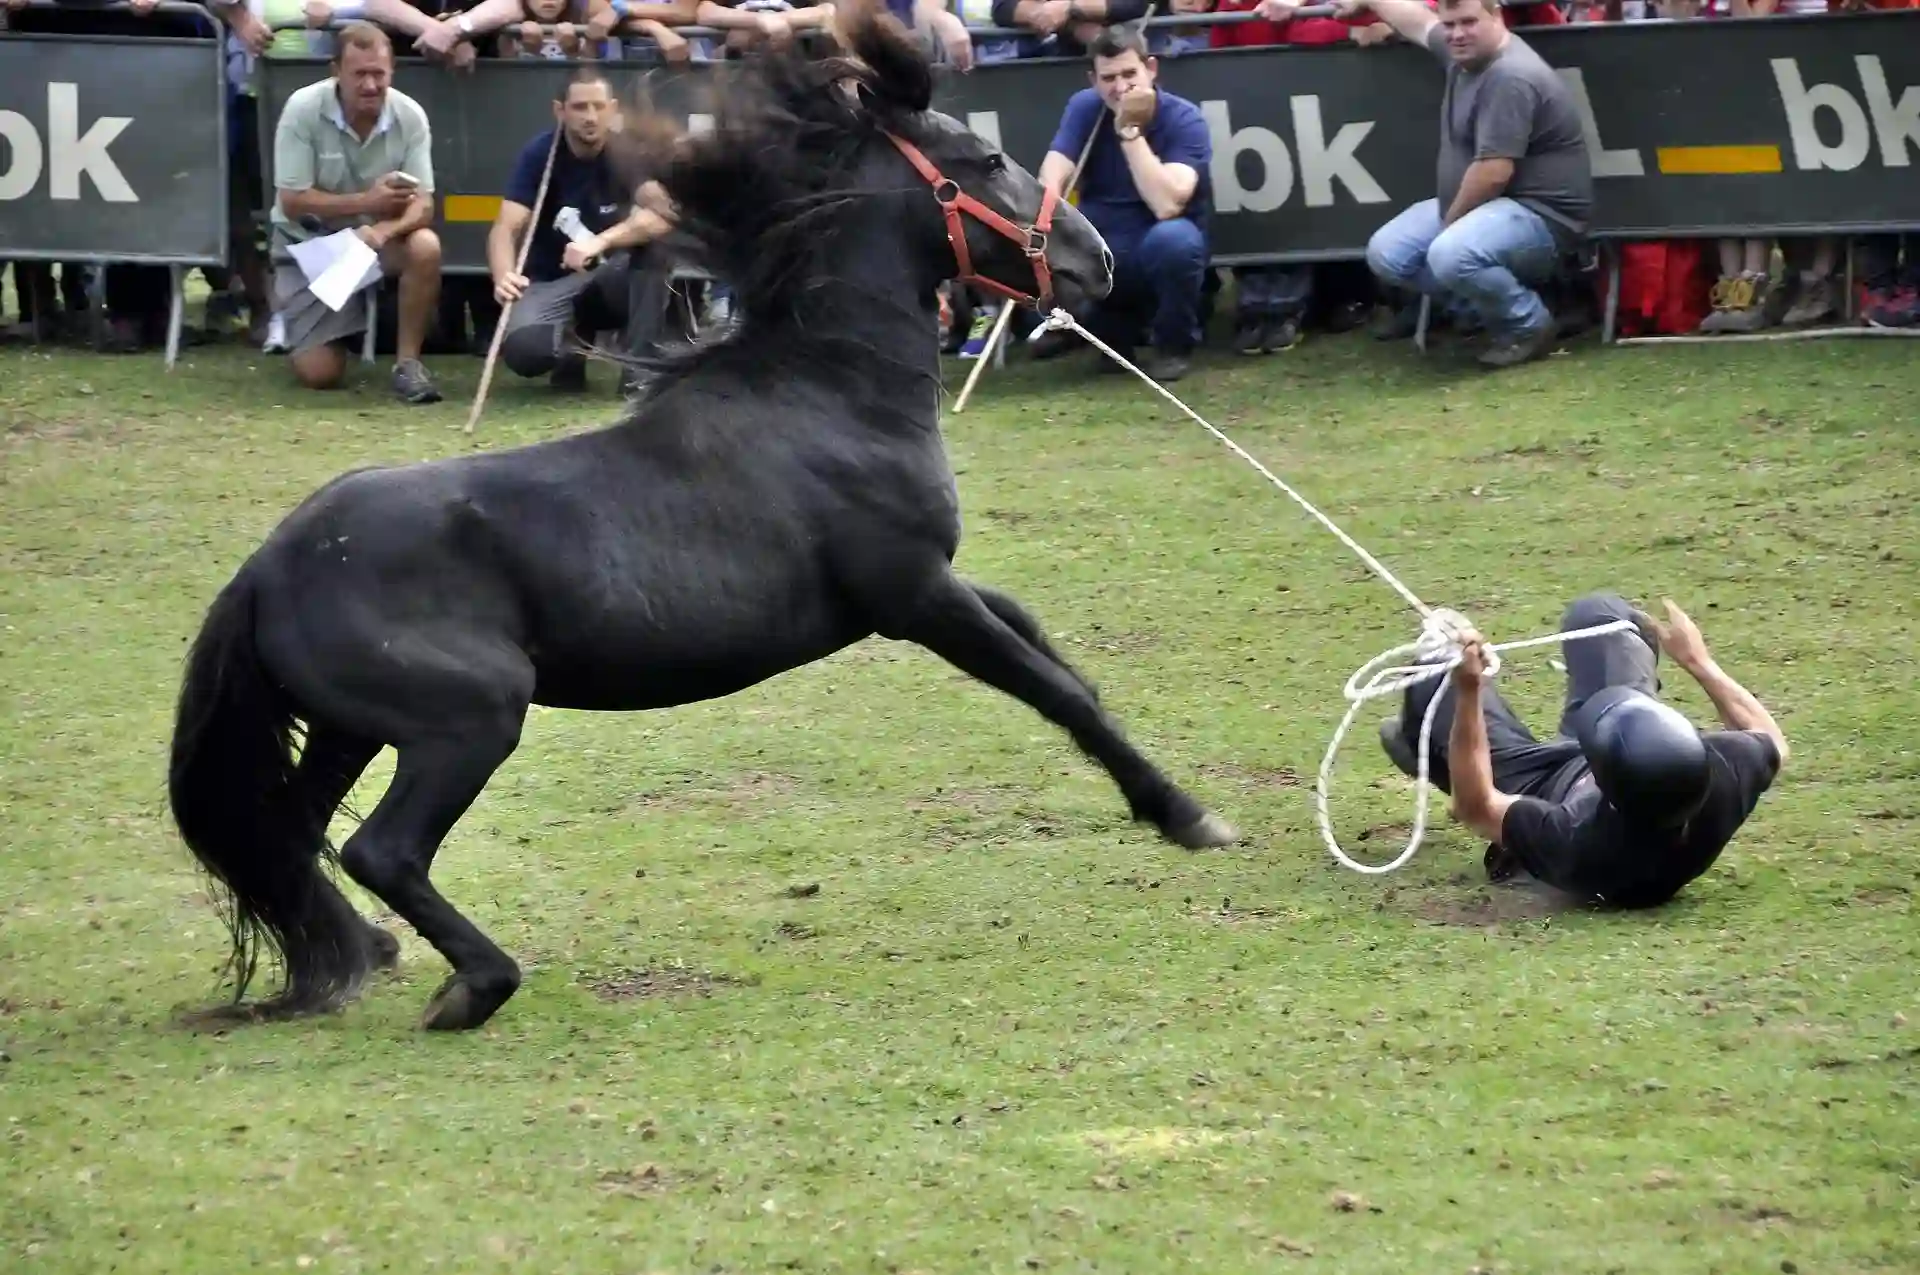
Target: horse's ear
{"x":897,"y":72}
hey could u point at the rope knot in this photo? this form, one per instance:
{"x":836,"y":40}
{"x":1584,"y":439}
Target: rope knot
{"x":1059,"y":320}
{"x":1441,"y":638}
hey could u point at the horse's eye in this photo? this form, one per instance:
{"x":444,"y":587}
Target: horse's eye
{"x":996,"y":163}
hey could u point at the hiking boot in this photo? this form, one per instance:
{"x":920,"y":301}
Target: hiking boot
{"x":1281,"y":334}
{"x":1521,"y":347}
{"x":569,"y":376}
{"x":1250,"y":336}
{"x":1739,"y":305}
{"x":1398,"y":748}
{"x":411,"y":384}
{"x":1815,"y":302}
{"x":1348,"y":316}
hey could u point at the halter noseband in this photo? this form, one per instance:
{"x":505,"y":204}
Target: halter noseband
{"x":955,"y":202}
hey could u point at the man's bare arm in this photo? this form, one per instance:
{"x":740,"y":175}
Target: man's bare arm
{"x":1476,"y":802}
{"x":329,"y":208}
{"x":1055,"y":171}
{"x":1484,"y":181}
{"x":1738,"y":708}
{"x":1409,"y":19}
{"x":1166,"y":188}
{"x":417,"y":216}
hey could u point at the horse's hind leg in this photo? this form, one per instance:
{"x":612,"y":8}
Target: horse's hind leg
{"x":331,"y":763}
{"x":1016,"y":617}
{"x":436,"y":778}
{"x":959,"y":623}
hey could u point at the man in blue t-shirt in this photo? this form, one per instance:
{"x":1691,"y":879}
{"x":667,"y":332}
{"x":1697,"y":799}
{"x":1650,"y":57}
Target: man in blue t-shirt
{"x":1147,"y":190}
{"x":609,"y":281}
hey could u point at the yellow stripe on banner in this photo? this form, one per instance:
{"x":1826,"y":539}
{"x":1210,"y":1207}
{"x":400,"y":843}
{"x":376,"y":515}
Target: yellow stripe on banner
{"x":1704,"y":161}
{"x":471,"y":208}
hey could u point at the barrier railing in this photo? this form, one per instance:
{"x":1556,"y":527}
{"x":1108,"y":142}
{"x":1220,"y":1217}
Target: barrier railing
{"x":116,"y":147}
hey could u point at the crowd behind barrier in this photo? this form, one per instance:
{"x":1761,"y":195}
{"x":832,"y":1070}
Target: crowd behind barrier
{"x":137,"y":137}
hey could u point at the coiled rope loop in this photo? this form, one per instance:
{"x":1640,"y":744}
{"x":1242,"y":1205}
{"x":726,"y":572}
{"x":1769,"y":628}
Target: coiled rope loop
{"x":1434,"y":653}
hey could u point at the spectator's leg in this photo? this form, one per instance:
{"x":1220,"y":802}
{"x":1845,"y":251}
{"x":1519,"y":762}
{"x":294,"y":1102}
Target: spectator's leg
{"x":537,"y":324}
{"x":245,"y":191}
{"x":137,"y":298}
{"x":416,"y":260}
{"x":1397,"y":252}
{"x":1253,"y":288}
{"x":1487,"y":258}
{"x":1291,"y":297}
{"x":1173,"y":259}
{"x":317,"y":339}
{"x":1343,"y":295}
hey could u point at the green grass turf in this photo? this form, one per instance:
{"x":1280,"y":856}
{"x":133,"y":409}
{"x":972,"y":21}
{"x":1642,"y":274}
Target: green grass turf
{"x":1011,"y":1031}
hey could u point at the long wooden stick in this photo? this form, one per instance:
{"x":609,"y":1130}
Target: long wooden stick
{"x":1006,"y":307}
{"x":519,"y":268}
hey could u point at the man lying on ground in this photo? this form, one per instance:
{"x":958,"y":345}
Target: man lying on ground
{"x":1628,"y":802}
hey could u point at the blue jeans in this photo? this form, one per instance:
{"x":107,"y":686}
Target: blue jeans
{"x":1484,"y":261}
{"x":1159,"y":273}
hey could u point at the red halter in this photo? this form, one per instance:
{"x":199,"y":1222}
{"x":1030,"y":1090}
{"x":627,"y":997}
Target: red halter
{"x":954,"y":202}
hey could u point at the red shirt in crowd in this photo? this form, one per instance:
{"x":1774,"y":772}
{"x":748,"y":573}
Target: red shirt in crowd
{"x":1298,"y":31}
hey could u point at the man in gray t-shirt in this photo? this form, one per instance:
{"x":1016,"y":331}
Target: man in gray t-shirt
{"x":1515,"y":183}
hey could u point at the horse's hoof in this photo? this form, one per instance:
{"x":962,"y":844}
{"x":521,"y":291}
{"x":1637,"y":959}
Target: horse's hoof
{"x":1204,"y":833}
{"x":457,"y":1007}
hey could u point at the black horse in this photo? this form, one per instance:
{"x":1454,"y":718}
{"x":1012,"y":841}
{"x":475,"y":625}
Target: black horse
{"x":775,"y":497}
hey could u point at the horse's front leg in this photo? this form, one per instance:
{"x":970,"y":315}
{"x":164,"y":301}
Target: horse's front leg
{"x":986,"y":634}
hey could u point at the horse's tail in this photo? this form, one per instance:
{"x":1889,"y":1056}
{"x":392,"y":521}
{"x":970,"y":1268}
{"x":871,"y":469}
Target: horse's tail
{"x":240,"y":805}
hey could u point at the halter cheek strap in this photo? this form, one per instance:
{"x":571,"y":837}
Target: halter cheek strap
{"x":957,"y":204}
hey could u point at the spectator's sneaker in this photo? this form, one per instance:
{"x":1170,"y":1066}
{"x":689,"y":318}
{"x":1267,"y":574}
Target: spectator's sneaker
{"x":411,"y":384}
{"x":1281,"y":334}
{"x":1250,"y":336}
{"x":276,"y":338}
{"x":1519,"y":348}
{"x":1893,"y":308}
{"x":1815,"y":302}
{"x":1166,"y":365}
{"x":1348,"y":316}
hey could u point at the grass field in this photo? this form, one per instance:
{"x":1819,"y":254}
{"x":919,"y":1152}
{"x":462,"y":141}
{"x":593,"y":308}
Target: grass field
{"x":1008,"y":1031}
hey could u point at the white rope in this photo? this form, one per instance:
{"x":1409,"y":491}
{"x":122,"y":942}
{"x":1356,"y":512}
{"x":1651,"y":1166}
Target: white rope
{"x":1435,"y":652}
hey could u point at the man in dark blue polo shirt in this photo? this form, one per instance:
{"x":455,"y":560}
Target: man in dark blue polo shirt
{"x":1146,"y":189}
{"x":605,"y":282}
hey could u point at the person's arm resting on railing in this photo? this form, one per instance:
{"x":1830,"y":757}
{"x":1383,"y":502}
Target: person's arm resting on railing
{"x":1410,"y":19}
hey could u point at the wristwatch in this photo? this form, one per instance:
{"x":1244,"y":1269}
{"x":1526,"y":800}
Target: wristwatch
{"x":1127,"y":132}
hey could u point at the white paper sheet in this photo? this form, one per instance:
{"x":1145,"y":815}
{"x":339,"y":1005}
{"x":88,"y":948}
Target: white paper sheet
{"x":337,"y":266}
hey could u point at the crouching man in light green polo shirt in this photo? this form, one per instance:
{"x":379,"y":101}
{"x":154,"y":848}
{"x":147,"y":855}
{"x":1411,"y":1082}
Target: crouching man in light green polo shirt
{"x":342,"y":156}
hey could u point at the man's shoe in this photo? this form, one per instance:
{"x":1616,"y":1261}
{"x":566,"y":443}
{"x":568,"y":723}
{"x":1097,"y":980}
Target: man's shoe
{"x":1250,"y":337}
{"x":570,"y":376}
{"x":411,"y":384}
{"x":1399,"y":751}
{"x":1520,"y":348}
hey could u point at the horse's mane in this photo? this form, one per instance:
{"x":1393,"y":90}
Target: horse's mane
{"x":764,"y":191}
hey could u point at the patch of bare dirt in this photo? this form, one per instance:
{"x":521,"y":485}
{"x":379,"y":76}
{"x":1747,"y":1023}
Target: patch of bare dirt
{"x":1881,"y":895}
{"x":1254,"y":776}
{"x":736,"y":792}
{"x":1486,"y":907}
{"x":1114,"y":641}
{"x":656,"y":983}
{"x":641,"y":1180}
